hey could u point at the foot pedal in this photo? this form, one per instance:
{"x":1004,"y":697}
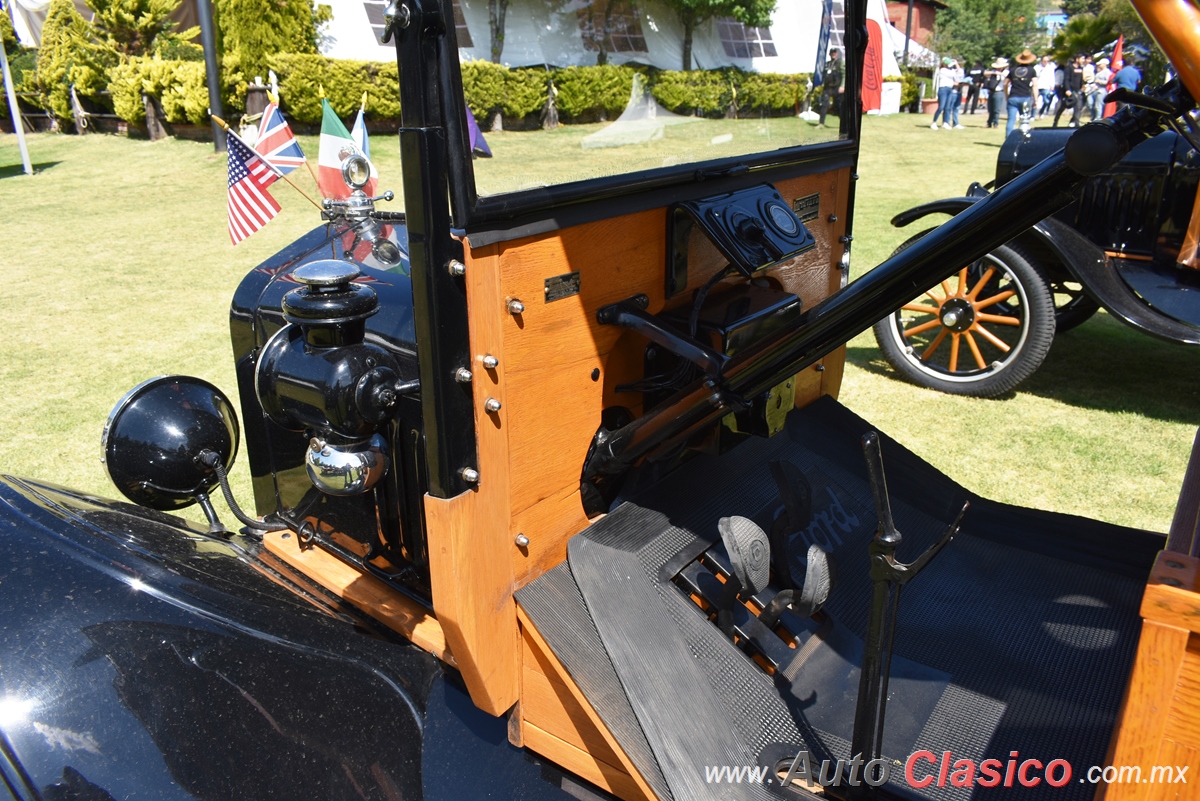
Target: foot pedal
{"x":749,"y":552}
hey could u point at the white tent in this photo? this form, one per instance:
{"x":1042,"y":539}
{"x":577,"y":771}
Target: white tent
{"x":541,"y":33}
{"x":28,"y":16}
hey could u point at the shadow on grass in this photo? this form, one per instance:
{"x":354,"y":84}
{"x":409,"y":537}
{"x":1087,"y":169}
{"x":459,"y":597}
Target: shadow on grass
{"x":1101,"y":365}
{"x":13,"y":170}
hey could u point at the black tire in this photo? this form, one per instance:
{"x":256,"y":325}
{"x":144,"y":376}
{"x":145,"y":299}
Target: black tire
{"x":1072,"y":306}
{"x":999,"y":306}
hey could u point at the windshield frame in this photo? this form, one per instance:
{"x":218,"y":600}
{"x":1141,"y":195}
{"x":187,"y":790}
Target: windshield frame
{"x":471,"y":210}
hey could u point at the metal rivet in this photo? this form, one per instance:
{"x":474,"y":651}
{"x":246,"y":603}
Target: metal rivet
{"x":596,"y":374}
{"x":456,"y":267}
{"x":820,"y":368}
{"x":1173,"y":563}
{"x":1170,"y":581}
{"x":490,"y":361}
{"x":833,"y":218}
{"x":286,"y":535}
{"x":463,"y":376}
{"x":515,"y":306}
{"x":492,"y":405}
{"x":522,"y":541}
{"x":469,"y":475}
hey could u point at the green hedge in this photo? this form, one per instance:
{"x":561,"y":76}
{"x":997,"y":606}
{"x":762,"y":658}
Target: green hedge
{"x":23,"y":63}
{"x":706,"y":93}
{"x":588,"y":91}
{"x":581,"y":93}
{"x":303,"y":76}
{"x":491,"y":87}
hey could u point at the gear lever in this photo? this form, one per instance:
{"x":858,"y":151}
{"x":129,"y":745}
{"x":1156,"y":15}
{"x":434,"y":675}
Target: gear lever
{"x":886,"y":574}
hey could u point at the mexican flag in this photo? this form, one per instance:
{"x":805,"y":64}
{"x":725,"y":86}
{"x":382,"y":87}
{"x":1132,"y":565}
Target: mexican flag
{"x":336,"y":146}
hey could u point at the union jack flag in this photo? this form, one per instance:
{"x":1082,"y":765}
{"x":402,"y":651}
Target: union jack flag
{"x":277,"y":144}
{"x":250,"y":206}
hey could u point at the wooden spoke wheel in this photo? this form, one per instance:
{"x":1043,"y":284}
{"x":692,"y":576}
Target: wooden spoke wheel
{"x":980,"y":332}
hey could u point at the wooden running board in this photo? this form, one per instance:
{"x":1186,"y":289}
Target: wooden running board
{"x":395,"y":610}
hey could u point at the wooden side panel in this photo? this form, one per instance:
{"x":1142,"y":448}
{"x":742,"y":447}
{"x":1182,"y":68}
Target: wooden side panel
{"x":1183,"y":724}
{"x":470,"y":550}
{"x":1159,"y":724}
{"x":558,"y":722}
{"x":581,"y":763}
{"x":561,"y":367}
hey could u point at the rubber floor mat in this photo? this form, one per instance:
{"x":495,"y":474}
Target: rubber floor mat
{"x":1026,"y":623}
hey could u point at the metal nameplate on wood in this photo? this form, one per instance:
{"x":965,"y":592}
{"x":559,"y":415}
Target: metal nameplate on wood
{"x":562,"y":286}
{"x":808,"y":207}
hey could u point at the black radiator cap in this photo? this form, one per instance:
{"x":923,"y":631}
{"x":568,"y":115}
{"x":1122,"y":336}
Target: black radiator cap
{"x":329,"y":295}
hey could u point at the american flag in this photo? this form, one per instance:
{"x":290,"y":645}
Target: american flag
{"x":277,"y":144}
{"x":250,"y":206}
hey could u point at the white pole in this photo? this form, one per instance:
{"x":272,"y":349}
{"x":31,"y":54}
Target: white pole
{"x":12,"y":106}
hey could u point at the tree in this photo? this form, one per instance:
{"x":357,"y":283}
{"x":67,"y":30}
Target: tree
{"x":751,"y":13}
{"x":7,"y":34}
{"x":497,"y":9}
{"x":1073,"y":8}
{"x":137,"y":27}
{"x":70,"y":56}
{"x":982,"y":30}
{"x":252,"y":30}
{"x":1083,"y":33}
{"x":1127,"y":23}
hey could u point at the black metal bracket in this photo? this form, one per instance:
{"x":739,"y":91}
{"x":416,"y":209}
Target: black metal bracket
{"x":888,"y":576}
{"x":439,"y":294}
{"x":631,"y":313}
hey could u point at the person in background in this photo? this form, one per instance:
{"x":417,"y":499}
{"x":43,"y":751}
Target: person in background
{"x":1089,"y":85}
{"x":1045,"y":79}
{"x":1127,"y":76}
{"x":1020,"y":88}
{"x":960,"y":83}
{"x":1103,"y":76}
{"x":1072,"y":92}
{"x":943,"y":87}
{"x":993,"y":80}
{"x":831,"y":85}
{"x":975,"y":76}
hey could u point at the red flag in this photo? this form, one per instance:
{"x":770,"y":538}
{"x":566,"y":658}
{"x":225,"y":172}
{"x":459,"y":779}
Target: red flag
{"x":250,"y":206}
{"x":1118,"y":54}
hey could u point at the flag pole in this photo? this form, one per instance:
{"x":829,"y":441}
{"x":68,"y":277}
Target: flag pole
{"x":225,"y":127}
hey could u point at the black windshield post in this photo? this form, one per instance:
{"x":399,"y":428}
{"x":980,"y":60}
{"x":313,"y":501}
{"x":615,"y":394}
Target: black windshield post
{"x":439,"y":291}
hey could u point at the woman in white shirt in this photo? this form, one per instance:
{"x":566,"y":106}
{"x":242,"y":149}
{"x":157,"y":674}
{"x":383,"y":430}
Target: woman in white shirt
{"x":944,"y":81}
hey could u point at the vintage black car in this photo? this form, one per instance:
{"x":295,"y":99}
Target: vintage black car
{"x":1126,"y":243}
{"x":554,"y":499}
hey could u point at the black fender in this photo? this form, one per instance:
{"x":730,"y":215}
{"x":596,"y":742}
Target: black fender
{"x":143,"y":658}
{"x":1100,"y":276}
{"x":1057,"y":245}
{"x":949,"y":205}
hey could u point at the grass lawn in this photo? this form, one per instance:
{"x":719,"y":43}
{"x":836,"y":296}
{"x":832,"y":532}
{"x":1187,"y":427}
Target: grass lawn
{"x":117,"y":267}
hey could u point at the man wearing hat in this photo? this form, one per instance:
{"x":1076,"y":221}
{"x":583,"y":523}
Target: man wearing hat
{"x":1020,"y":88}
{"x":993,"y":81}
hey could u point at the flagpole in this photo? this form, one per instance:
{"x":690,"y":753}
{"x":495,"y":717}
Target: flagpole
{"x":225,"y":126}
